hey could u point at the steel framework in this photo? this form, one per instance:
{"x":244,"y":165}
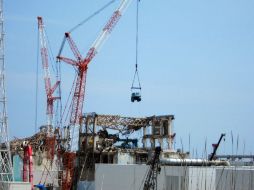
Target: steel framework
{"x":50,"y":89}
{"x":162,"y":126}
{"x":6,"y":172}
{"x":116,"y":122}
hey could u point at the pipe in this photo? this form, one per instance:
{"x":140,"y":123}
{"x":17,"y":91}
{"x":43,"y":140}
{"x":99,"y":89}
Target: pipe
{"x":30,"y":158}
{"x":235,"y":156}
{"x":193,"y":162}
{"x":28,"y":164}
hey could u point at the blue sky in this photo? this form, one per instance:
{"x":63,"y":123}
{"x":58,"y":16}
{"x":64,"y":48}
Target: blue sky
{"x":196,"y":61}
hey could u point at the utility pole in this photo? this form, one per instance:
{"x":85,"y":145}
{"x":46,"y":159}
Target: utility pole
{"x":6,"y":171}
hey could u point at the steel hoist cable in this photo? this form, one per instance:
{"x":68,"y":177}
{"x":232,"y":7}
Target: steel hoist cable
{"x":136,"y":75}
{"x":91,"y":16}
{"x":136,"y":89}
{"x":134,"y":79}
{"x":83,"y":22}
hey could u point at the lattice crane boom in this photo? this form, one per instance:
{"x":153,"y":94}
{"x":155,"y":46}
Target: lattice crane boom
{"x":50,"y":89}
{"x":108,"y":28}
{"x":73,"y":47}
{"x":82,"y":64}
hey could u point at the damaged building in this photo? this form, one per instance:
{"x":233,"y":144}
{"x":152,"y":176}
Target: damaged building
{"x":107,"y":139}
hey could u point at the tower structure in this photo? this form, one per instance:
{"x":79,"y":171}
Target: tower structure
{"x":6,"y":172}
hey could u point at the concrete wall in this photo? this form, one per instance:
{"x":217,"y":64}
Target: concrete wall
{"x":238,"y":178}
{"x":112,"y":176}
{"x":173,"y":178}
{"x":16,"y":186}
{"x":201,"y":178}
{"x":131,"y":177}
{"x":125,"y":158}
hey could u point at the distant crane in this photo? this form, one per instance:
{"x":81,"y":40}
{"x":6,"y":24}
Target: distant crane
{"x":216,"y":146}
{"x":151,"y":178}
{"x":81,"y":65}
{"x":50,"y":89}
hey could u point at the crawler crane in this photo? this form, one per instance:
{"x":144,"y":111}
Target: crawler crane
{"x":81,"y":64}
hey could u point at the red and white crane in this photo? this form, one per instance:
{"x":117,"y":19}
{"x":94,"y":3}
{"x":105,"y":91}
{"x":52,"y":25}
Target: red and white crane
{"x":82,"y":63}
{"x":50,"y":89}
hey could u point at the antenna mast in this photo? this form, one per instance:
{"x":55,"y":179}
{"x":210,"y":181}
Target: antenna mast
{"x":6,"y":172}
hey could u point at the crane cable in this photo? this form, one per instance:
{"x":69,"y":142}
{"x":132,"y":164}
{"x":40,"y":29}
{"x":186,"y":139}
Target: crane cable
{"x":83,"y":22}
{"x":50,"y":54}
{"x":57,"y":74}
{"x":37,"y":84}
{"x":91,"y":16}
{"x":137,"y":40}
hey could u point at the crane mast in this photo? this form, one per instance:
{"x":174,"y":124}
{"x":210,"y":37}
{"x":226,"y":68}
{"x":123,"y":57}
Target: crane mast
{"x":47,"y":80}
